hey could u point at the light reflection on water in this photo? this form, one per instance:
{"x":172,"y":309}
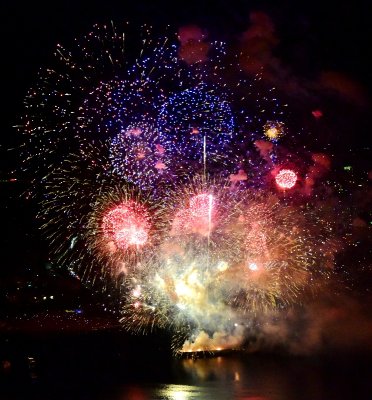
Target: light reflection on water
{"x":79,"y":369}
{"x":187,"y":392}
{"x":250,"y":379}
{"x":213,"y":379}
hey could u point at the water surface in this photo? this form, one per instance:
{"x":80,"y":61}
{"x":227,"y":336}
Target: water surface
{"x":112,"y":367}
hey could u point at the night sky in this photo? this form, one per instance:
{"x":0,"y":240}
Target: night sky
{"x":313,"y":36}
{"x":321,"y":60}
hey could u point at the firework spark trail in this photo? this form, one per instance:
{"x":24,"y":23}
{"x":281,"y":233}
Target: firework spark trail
{"x":174,"y":208}
{"x":101,"y":88}
{"x":263,"y":256}
{"x":79,"y":197}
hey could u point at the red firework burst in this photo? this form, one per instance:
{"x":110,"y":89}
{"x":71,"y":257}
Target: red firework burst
{"x":127,"y":225}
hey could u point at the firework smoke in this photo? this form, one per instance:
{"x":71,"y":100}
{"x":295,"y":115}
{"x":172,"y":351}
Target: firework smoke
{"x":157,"y":185}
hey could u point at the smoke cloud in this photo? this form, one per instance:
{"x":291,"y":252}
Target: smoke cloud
{"x":194,"y":47}
{"x":324,"y":326}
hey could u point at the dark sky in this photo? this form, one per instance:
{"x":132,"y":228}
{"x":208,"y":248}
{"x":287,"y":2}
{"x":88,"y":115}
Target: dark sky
{"x":314,"y":35}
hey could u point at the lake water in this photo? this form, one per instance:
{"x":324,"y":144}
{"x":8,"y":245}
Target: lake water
{"x":111,"y":367}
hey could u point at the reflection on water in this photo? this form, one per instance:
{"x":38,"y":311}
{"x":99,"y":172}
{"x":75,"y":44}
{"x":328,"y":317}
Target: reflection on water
{"x":176,"y":392}
{"x":232,"y":377}
{"x":258,"y":378}
{"x":101,"y":369}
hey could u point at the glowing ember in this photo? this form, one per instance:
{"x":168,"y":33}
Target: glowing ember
{"x":317,"y":114}
{"x":222,"y":266}
{"x":274,"y":129}
{"x":127,"y":225}
{"x":136,"y":291}
{"x":253,"y":266}
{"x":286,"y":178}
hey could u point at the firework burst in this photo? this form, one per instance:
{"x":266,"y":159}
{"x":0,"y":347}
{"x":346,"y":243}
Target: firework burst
{"x":286,"y":178}
{"x":273,"y":130}
{"x":105,"y":226}
{"x":123,"y":228}
{"x":246,"y":254}
{"x":102,"y":87}
{"x":156,"y":181}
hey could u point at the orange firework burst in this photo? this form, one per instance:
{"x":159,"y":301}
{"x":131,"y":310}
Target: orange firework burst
{"x":274,"y":130}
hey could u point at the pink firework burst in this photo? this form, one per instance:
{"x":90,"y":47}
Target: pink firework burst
{"x":198,"y":217}
{"x":202,"y":206}
{"x":286,"y":178}
{"x":127,"y":225}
